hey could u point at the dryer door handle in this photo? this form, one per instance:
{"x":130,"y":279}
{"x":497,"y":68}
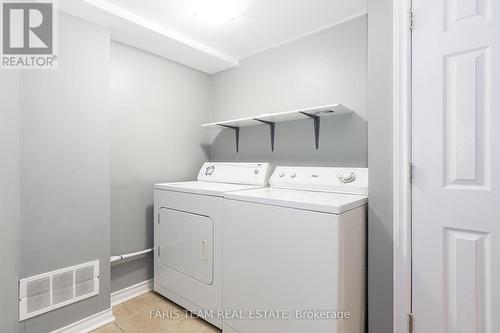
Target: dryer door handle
{"x":204,"y":244}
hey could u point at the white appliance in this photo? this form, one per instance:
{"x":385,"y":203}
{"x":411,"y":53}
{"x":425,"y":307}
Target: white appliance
{"x":188,"y":230}
{"x":296,"y":251}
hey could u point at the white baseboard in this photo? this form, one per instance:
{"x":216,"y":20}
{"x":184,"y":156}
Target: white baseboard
{"x":106,"y":317}
{"x":125,"y":294}
{"x":88,"y":324}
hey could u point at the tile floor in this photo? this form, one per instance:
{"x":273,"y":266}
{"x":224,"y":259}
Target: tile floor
{"x":143,"y":314}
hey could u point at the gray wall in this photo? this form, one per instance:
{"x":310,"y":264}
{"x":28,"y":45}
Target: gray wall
{"x":65,"y":166}
{"x":328,"y":67}
{"x":380,"y":158}
{"x":157,"y":107}
{"x":9,"y":184}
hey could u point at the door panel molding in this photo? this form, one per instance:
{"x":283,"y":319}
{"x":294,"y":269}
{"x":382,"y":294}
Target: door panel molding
{"x":466,"y":111}
{"x":467,"y":308}
{"x":463,"y":11}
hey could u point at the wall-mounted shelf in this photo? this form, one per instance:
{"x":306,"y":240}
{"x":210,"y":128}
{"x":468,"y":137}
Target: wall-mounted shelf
{"x":270,"y":119}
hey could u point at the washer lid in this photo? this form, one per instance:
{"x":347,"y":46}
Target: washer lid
{"x":328,"y":202}
{"x":204,"y":188}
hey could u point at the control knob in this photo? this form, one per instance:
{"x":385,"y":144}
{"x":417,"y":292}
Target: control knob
{"x":347,"y":177}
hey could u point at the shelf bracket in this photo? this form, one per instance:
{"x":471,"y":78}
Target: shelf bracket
{"x":272,"y":127}
{"x":316,"y":120}
{"x":236,"y":134}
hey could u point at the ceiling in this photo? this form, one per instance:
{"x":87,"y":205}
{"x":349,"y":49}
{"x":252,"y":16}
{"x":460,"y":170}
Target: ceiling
{"x":212,"y":35}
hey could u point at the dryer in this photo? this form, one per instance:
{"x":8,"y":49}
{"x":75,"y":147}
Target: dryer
{"x":188,"y":230}
{"x":294,"y":253}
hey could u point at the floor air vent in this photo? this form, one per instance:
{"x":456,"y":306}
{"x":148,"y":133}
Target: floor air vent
{"x":48,"y":291}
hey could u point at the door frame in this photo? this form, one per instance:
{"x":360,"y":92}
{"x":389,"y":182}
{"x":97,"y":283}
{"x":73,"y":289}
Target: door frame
{"x":402,"y":134}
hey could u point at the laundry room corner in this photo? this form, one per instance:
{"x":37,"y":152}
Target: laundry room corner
{"x":156,"y":107}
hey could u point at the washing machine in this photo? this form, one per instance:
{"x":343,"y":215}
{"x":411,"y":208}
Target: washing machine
{"x":188,"y":221}
{"x":294,"y":253}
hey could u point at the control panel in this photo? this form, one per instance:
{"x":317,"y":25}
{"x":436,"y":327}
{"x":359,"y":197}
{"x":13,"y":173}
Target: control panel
{"x":236,"y":173}
{"x":326,"y":179}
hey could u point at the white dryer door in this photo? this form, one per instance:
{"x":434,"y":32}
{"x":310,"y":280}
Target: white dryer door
{"x":186,"y":243}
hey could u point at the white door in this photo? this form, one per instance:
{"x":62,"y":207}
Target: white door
{"x":456,"y":155}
